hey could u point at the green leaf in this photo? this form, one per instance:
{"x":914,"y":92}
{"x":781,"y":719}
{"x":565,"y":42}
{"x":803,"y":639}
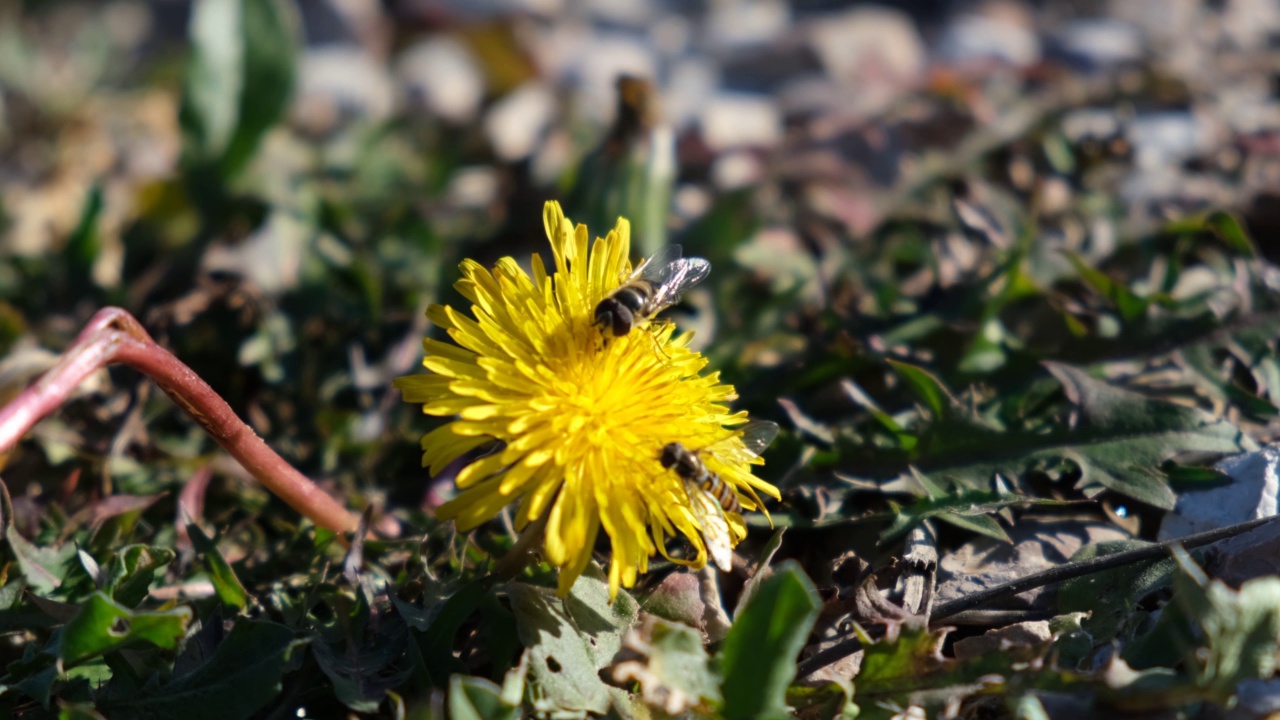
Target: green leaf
{"x":1228,"y":229}
{"x":241,"y":676}
{"x":1226,"y":636}
{"x":759,"y":655}
{"x":1194,"y":477}
{"x":926,"y":386}
{"x":1111,"y":595}
{"x":963,"y":508}
{"x":1204,"y":369}
{"x":1118,"y":440}
{"x":906,"y":654}
{"x":104,"y":624}
{"x":79,"y":711}
{"x":239,"y":79}
{"x":361,"y":655}
{"x":1072,"y":644}
{"x":130,"y":571}
{"x":1130,"y":306}
{"x":473,"y":698}
{"x":43,"y":567}
{"x":33,"y":675}
{"x":432,"y":649}
{"x":763,"y":571}
{"x":668,"y":667}
{"x":84,"y":244}
{"x":225,"y":583}
{"x":979,"y":524}
{"x":570,"y":640}
{"x":865,"y":401}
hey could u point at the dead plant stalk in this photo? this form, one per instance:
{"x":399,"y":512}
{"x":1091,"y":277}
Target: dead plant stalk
{"x":114,"y":336}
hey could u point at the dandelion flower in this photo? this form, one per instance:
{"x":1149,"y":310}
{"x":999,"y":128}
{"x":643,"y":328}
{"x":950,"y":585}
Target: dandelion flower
{"x":582,"y":419}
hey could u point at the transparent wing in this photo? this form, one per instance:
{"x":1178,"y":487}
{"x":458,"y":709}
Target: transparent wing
{"x":714,"y":526}
{"x":672,"y":280}
{"x":758,"y":435}
{"x":653,"y":268}
{"x":755,"y":436}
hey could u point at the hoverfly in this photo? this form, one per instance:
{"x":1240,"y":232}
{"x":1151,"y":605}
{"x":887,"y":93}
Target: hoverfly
{"x":654,"y":286}
{"x":710,"y":496}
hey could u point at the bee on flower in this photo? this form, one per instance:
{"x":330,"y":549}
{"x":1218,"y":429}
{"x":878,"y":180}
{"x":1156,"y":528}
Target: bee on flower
{"x":582,"y":424}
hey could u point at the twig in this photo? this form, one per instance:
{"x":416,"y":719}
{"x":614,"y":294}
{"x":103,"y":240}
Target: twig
{"x":1058,"y":574}
{"x":114,"y":336}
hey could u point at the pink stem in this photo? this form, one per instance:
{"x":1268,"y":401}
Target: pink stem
{"x":113,"y":335}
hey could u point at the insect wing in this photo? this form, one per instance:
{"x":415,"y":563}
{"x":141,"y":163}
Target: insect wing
{"x":675,"y":278}
{"x":758,"y":435}
{"x":755,"y":437}
{"x":654,"y":269}
{"x":715,"y":527}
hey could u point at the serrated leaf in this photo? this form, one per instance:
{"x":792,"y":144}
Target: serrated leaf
{"x":1072,"y":644}
{"x":1118,"y":440}
{"x":130,"y":571}
{"x":1110,"y":596}
{"x":1225,"y":636}
{"x":906,"y":668}
{"x":361,"y":655}
{"x":43,"y":567}
{"x":1199,"y":359}
{"x":104,"y":624}
{"x":241,"y":676}
{"x":670,"y":669}
{"x":979,"y":524}
{"x":905,"y":654}
{"x":759,"y":655}
{"x":431,"y":650}
{"x":964,"y":508}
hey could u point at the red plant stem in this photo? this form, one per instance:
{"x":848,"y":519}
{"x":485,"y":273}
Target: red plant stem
{"x":113,"y":335}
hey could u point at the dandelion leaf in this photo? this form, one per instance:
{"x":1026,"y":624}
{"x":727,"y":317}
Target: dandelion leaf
{"x":759,"y":658}
{"x":570,"y":640}
{"x":667,"y":664}
{"x":1117,"y":438}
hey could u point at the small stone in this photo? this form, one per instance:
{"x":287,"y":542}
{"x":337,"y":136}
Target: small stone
{"x":747,"y":22}
{"x":1168,"y":138}
{"x":736,"y":169}
{"x":1002,"y":31}
{"x":1251,"y":494}
{"x":473,"y":187}
{"x":1251,"y":23}
{"x":1023,"y":635}
{"x":1095,"y":45}
{"x":869,"y":41}
{"x":337,"y":83}
{"x":738,"y":119}
{"x":516,"y":123}
{"x":442,"y":75}
{"x":984,"y":562}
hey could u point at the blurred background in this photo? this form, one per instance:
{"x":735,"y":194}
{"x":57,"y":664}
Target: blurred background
{"x":278,"y":189}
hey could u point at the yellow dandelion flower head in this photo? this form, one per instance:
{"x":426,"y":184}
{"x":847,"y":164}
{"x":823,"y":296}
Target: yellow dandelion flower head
{"x":582,"y":420}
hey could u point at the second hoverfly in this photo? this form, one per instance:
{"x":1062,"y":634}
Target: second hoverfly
{"x":654,"y":286}
{"x":710,"y":496}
